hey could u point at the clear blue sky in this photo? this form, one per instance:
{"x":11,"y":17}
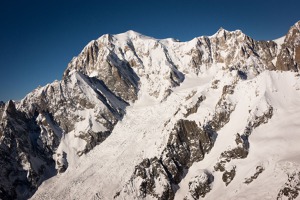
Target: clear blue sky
{"x":39,"y":37}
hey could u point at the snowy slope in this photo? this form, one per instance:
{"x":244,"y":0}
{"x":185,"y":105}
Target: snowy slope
{"x":142,"y":134}
{"x":274,"y":146}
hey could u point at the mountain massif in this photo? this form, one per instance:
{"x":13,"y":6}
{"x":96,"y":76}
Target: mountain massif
{"x":136,"y":117}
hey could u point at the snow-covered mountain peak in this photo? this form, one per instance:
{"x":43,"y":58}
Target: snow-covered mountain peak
{"x":294,"y":31}
{"x":150,"y":58}
{"x":136,"y":117}
{"x":280,"y":40}
{"x":131,"y":35}
{"x":223,"y":33}
{"x":297,"y":25}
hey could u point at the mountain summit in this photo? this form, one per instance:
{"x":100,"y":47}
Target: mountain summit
{"x":135,"y":117}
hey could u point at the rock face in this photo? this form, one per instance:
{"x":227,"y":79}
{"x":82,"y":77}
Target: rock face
{"x":201,"y":102}
{"x":187,"y":144}
{"x":200,"y":185}
{"x":291,"y":188}
{"x":289,"y":56}
{"x":25,"y":163}
{"x":259,"y":170}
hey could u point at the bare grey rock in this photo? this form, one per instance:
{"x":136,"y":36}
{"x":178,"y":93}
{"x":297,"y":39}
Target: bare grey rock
{"x":194,"y":108}
{"x":242,"y":149}
{"x":289,"y":56}
{"x":200,"y":185}
{"x":228,"y":176}
{"x":24,"y":163}
{"x":259,"y":170}
{"x":291,"y":188}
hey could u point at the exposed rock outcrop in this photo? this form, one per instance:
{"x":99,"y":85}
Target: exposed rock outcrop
{"x":187,"y":144}
{"x":289,"y":55}
{"x":242,"y":149}
{"x":228,"y":176}
{"x":25,"y":159}
{"x":291,"y":188}
{"x":259,"y":170}
{"x":199,"y":186}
